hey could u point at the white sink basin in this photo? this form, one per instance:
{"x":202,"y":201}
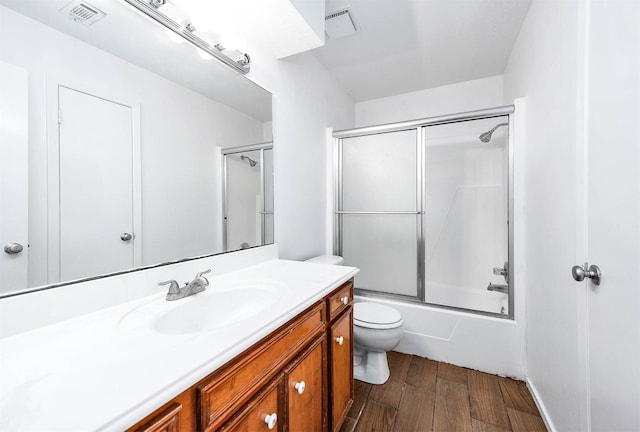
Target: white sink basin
{"x":219,"y":307}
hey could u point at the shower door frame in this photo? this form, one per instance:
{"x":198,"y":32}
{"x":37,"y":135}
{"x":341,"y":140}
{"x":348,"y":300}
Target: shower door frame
{"x":237,"y":150}
{"x":418,"y":126}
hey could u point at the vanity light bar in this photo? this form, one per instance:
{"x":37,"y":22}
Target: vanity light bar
{"x":241,"y":63}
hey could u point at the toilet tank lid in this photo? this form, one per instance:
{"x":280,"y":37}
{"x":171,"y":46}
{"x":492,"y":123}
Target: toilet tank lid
{"x":327,"y":259}
{"x":367,"y":314}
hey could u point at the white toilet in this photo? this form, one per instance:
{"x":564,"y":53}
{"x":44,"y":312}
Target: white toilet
{"x":377,"y":328}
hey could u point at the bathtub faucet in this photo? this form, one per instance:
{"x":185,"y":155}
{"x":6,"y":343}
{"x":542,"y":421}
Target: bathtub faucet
{"x":504,"y":289}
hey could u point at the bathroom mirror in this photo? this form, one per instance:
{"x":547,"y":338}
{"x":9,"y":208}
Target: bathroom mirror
{"x":124,"y":128}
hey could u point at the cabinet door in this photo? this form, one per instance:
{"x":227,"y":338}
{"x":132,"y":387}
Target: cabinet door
{"x":306,"y":378}
{"x":262,"y":413}
{"x":341,"y":372}
{"x":166,"y":421}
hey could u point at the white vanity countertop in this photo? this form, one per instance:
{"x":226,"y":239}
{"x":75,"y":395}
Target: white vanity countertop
{"x":109,"y":369}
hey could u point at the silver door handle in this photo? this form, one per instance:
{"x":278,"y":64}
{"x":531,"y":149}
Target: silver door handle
{"x":13,"y":248}
{"x":592,"y":272}
{"x":126,"y":236}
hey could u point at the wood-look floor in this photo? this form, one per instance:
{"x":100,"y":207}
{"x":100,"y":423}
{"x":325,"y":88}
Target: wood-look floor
{"x":425,"y":395}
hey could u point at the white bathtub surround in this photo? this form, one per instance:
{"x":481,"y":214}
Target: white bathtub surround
{"x":109,"y":368}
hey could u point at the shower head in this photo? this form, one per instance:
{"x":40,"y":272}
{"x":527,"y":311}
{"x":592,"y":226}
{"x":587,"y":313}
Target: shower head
{"x":486,"y":137}
{"x":252,"y":163}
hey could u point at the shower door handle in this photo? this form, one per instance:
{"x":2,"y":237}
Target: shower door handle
{"x":502,"y":271}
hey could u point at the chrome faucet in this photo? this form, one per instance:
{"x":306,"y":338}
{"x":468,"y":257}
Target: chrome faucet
{"x":198,"y":284}
{"x":498,"y":287}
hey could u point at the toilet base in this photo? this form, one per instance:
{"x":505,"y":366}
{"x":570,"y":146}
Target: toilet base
{"x":371,"y":367}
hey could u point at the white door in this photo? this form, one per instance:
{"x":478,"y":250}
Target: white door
{"x":613,"y":215}
{"x":14,"y":181}
{"x":96,"y":185}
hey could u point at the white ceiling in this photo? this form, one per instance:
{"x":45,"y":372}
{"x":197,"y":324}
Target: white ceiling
{"x":409,"y":45}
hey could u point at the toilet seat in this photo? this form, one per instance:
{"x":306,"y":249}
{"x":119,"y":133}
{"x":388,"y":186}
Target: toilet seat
{"x":376,"y":316}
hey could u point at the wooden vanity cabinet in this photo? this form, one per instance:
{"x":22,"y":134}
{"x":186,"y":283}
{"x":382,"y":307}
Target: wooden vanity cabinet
{"x":261,"y":387}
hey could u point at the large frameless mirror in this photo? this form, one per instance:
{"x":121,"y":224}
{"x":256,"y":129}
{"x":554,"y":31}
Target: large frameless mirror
{"x":113,"y":142}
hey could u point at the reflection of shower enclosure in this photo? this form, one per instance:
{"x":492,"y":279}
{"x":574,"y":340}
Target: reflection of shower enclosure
{"x":248,"y":196}
{"x":422,"y":208}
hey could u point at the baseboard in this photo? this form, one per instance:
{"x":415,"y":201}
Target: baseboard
{"x":543,"y":411}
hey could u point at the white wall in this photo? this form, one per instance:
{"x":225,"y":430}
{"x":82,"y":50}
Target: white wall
{"x":460,"y":97}
{"x":178,"y":150}
{"x":305,"y":102}
{"x":544,"y":67}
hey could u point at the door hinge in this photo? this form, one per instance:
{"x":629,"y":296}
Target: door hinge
{"x":59,"y":116}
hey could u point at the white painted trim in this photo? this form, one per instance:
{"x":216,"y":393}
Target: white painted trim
{"x":53,"y":83}
{"x":220,"y":197}
{"x":546,"y":418}
{"x":136,"y":142}
{"x":53,"y":182}
{"x":329,"y":191}
{"x":519,"y":265}
{"x":582,"y":209}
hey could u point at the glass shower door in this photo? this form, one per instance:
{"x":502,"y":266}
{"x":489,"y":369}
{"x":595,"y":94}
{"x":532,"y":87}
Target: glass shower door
{"x":267,"y":216}
{"x":243,"y":200}
{"x":466,"y":215}
{"x":377,"y":210}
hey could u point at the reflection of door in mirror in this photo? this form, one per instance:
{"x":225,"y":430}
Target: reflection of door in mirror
{"x":248,"y":197}
{"x":13,"y":176}
{"x":96,"y":185}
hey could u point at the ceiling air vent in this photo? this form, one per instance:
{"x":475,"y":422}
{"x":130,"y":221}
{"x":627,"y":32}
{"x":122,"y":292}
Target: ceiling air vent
{"x":339,"y":24}
{"x":82,"y":12}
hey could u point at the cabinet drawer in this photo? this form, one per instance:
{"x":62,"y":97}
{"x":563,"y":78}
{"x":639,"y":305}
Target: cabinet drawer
{"x":220,"y":395}
{"x":262,"y":413}
{"x":340,"y":299}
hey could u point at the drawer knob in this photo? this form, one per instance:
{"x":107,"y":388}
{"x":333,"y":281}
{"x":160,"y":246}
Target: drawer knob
{"x":271,"y":420}
{"x":340,"y":340}
{"x":299,"y":386}
{"x":344,"y":300}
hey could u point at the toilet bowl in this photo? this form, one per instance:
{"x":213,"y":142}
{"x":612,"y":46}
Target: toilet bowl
{"x":377,"y":329}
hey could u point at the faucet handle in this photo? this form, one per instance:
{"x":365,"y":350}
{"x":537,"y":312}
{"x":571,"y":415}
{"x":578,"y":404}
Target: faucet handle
{"x":174,"y":288}
{"x":202,"y":273}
